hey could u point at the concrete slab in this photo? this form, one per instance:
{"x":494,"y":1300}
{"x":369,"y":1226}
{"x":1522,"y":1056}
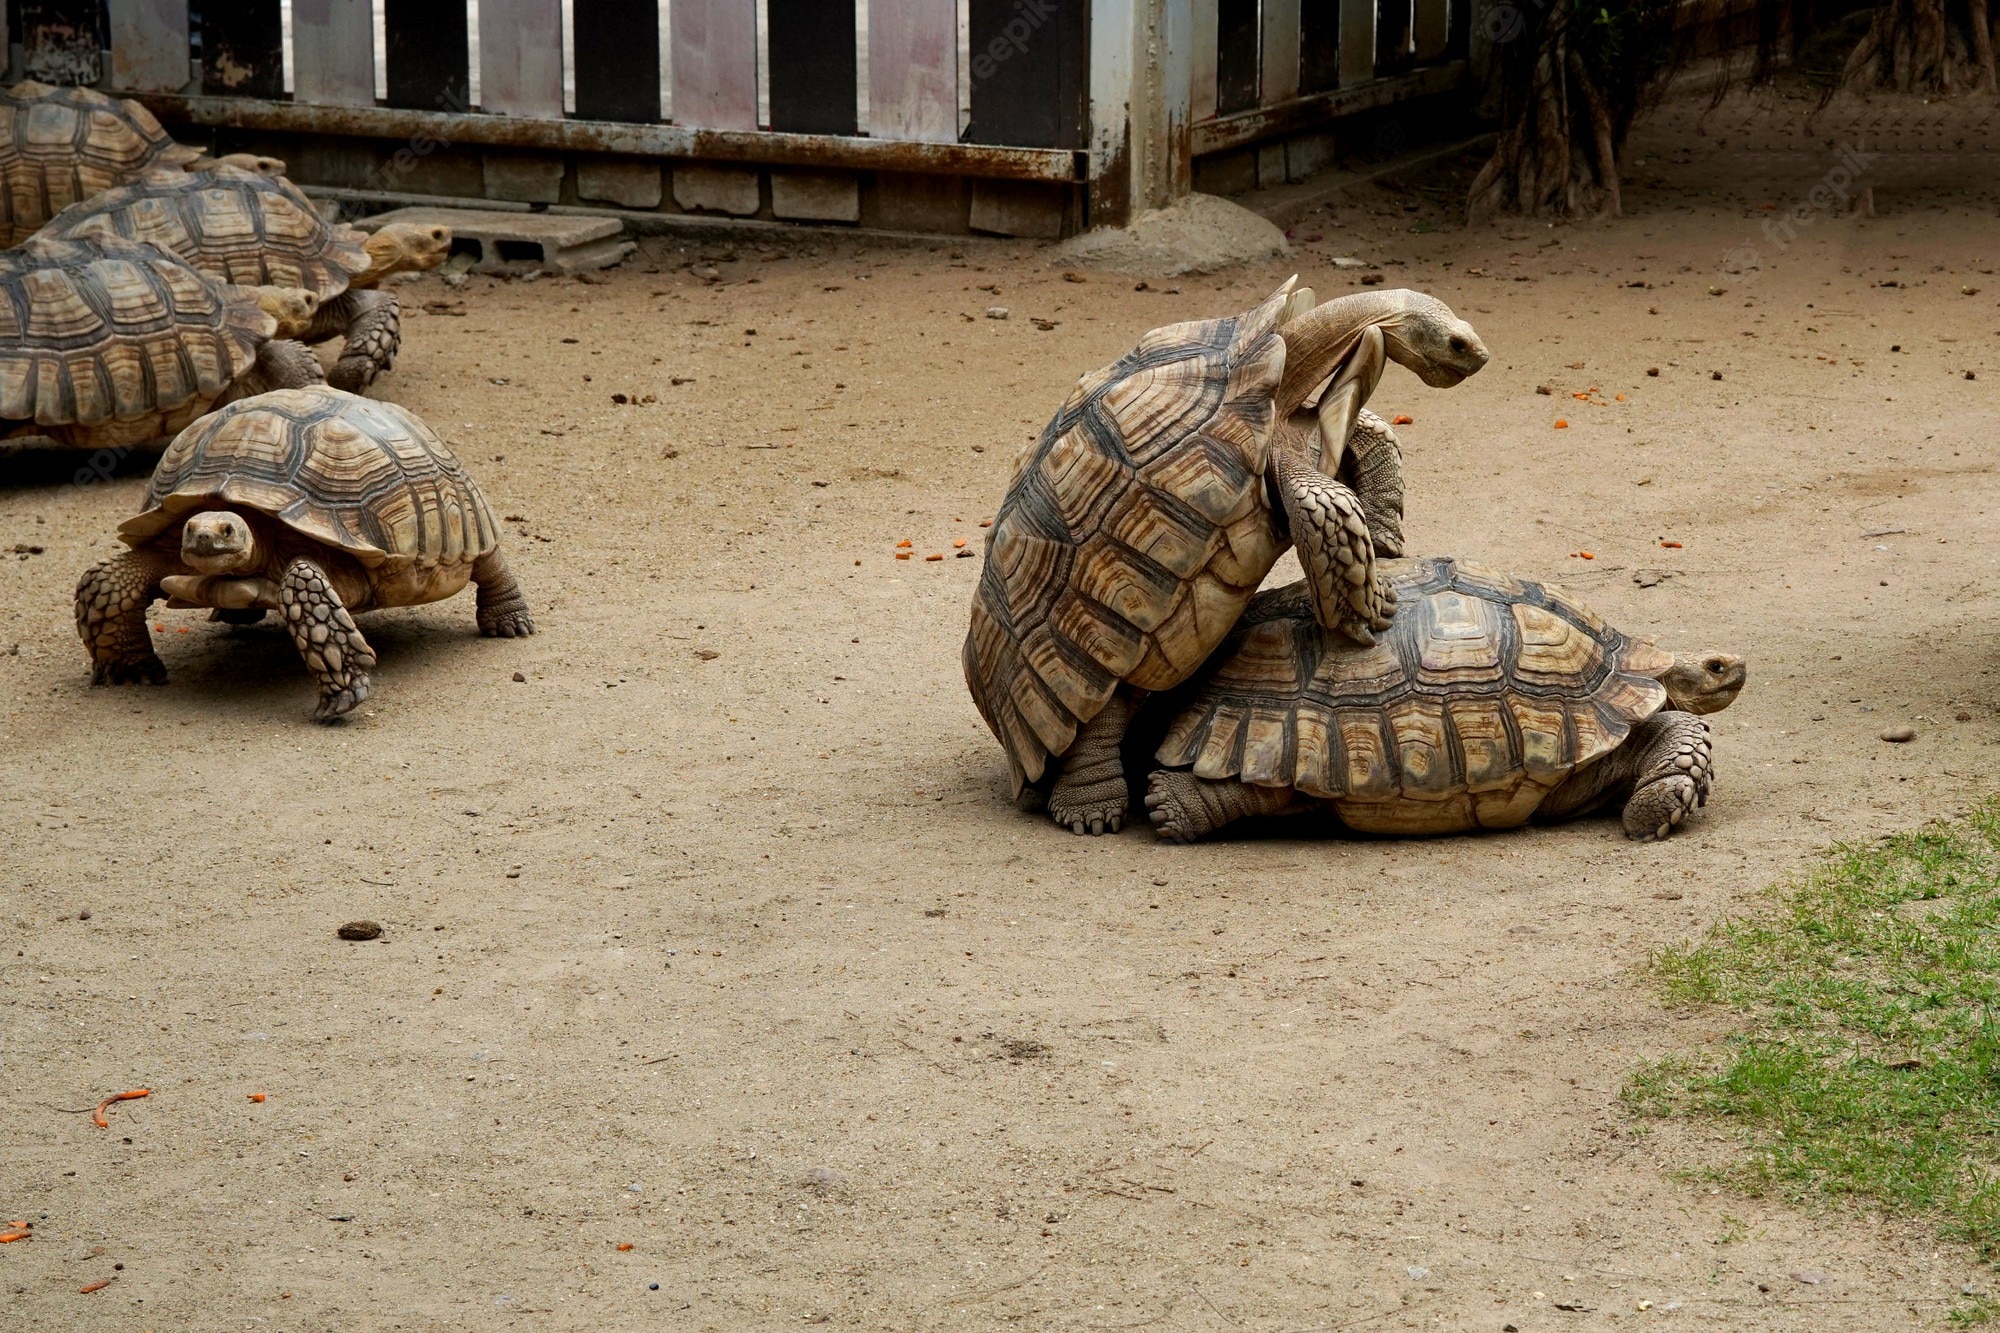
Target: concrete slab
{"x":1017,"y":208}
{"x":509,"y":242}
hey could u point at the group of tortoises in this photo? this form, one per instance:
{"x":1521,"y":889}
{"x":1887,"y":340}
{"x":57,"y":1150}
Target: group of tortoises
{"x":1118,"y":608}
{"x":152,"y":293}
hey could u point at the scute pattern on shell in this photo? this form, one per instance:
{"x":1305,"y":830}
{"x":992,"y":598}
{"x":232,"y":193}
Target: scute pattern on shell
{"x":365,"y":477}
{"x":1133,"y":533}
{"x":92,"y":333}
{"x":1483,"y":695}
{"x":62,"y":145}
{"x":231,"y":224}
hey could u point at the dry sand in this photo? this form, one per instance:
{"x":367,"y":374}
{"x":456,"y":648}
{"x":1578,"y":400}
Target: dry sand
{"x":718,"y":938}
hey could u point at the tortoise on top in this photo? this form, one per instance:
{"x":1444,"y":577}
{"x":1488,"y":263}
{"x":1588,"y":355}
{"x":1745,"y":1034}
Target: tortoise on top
{"x":1136,"y":529}
{"x":259,"y":230}
{"x":109,"y":345}
{"x":312,"y":502}
{"x":1490,"y":702}
{"x":60,"y":145}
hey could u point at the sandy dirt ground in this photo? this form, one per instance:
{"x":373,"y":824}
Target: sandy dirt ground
{"x":721,"y":986}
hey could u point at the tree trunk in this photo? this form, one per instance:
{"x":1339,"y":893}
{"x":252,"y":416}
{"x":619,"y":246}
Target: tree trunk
{"x":1557,"y":154}
{"x":1930,"y":46}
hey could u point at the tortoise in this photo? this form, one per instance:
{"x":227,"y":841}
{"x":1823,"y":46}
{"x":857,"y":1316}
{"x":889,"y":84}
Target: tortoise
{"x":116,"y":345}
{"x":61,"y":145}
{"x":1491,"y":702}
{"x":1155,"y":501}
{"x":259,"y":230}
{"x":313,"y":502}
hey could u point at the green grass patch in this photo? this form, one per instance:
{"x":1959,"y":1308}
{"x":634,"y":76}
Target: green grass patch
{"x":1868,"y":1066}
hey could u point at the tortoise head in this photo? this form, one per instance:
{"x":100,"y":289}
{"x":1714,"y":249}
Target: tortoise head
{"x":404,"y":247}
{"x":292,"y":307}
{"x":1424,"y":336}
{"x":1704,"y":682}
{"x":252,"y":162}
{"x":217,"y":541}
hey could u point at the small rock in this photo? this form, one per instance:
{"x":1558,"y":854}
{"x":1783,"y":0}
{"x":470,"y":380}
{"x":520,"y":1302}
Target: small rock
{"x":1651,"y":578}
{"x":1574,"y":1304}
{"x":1899,"y":735}
{"x":1653,"y":371}
{"x":1417,"y":1272}
{"x":83,"y":915}
{"x":360,"y":930}
{"x":1372,"y":279}
{"x":1969,"y":375}
{"x":1349,"y":261}
{"x":706,"y":654}
{"x":822,"y":1177}
{"x":997,"y":312}
{"x":1715,"y":374}
{"x":454,"y":280}
{"x":1810,"y":1279}
{"x":1546,"y":390}
{"x":708,"y":273}
{"x":520,"y":679}
{"x":1961,"y":716}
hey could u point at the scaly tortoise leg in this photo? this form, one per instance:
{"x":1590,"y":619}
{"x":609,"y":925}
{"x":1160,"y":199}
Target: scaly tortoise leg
{"x":1330,"y":531}
{"x":1373,"y":469}
{"x":1672,"y":753}
{"x":373,"y":324}
{"x":1089,"y":794}
{"x":1184,"y":808}
{"x":503,"y":608}
{"x":111,"y":603}
{"x":324,"y":632}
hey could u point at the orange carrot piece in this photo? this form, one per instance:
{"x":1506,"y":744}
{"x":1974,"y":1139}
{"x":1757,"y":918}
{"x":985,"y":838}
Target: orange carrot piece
{"x":1621,"y":397}
{"x":160,"y":627}
{"x":1561,"y":424}
{"x":904,"y":543}
{"x":255,"y":1096}
{"x":1587,"y":555}
{"x":9,"y":1237}
{"x":1583,"y":396}
{"x":958,"y":541}
{"x":93,"y":1286}
{"x":1671,"y":546}
{"x":1404,"y":421}
{"x":934,"y":555}
{"x":97,"y":1116}
{"x":985,"y":522}
{"x":624,"y":1245}
{"x":902,"y":555}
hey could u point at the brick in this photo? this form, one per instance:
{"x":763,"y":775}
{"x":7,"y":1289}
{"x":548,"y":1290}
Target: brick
{"x":1018,"y":208}
{"x":1307,"y":154}
{"x":732,"y":190}
{"x":816,"y":196}
{"x":529,"y":178}
{"x":903,"y":201}
{"x":628,"y":184}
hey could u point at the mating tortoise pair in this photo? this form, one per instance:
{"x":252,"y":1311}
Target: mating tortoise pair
{"x":314,"y":503}
{"x":1137,"y":529}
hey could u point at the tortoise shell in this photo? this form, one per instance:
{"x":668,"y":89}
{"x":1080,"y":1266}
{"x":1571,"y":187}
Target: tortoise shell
{"x":366,"y":478}
{"x":1482,"y":696}
{"x":61,"y":145}
{"x":231,"y":224}
{"x":1133,"y":533}
{"x":93,"y":334}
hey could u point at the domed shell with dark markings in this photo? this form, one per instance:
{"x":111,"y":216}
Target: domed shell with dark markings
{"x":236,"y":225}
{"x":1134,"y":532}
{"x":1485,"y":693}
{"x":62,"y":145}
{"x":366,"y":478}
{"x":97,"y":334}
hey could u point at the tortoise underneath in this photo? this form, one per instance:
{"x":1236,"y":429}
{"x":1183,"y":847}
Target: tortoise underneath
{"x":1490,"y":702}
{"x":311,"y":502}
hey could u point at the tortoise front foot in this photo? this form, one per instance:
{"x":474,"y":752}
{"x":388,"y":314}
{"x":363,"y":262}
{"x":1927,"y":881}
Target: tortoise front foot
{"x":1330,"y":531}
{"x":1676,"y":771}
{"x":325,"y":635}
{"x":111,"y":603}
{"x":503,"y":607}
